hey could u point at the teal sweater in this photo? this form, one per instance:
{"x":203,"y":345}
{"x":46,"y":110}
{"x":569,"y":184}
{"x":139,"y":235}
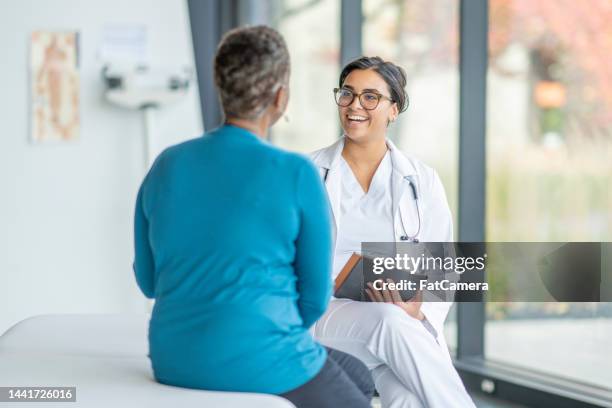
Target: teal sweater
{"x":233,"y":240}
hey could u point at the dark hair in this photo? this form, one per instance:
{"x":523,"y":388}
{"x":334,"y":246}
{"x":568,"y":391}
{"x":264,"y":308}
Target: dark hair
{"x":394,"y":76}
{"x":250,"y":64}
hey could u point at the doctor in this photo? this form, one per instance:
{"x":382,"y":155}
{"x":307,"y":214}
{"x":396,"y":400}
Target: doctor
{"x":378,"y":194}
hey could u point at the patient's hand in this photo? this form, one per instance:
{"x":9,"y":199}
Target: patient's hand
{"x":411,"y":307}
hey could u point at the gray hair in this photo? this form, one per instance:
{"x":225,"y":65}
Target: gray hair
{"x":251,"y":64}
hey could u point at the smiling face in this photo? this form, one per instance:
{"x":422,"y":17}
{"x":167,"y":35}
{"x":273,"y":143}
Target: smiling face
{"x":358,"y":123}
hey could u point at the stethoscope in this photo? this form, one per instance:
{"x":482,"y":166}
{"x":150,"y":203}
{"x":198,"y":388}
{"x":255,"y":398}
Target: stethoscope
{"x":415,"y":196}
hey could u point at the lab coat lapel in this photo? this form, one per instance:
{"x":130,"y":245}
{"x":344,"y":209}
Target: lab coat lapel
{"x":328,"y":164}
{"x":333,"y":185}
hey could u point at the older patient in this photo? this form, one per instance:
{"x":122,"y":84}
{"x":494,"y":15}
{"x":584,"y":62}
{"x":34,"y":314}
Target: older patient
{"x":233,"y":240}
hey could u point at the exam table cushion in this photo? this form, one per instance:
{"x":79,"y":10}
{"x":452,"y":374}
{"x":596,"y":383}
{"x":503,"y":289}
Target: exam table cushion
{"x":105,"y":357}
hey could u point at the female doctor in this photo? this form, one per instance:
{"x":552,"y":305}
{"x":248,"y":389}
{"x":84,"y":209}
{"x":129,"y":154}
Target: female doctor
{"x":378,"y":194}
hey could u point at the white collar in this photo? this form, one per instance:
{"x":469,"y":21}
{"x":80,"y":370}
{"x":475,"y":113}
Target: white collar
{"x":329,"y":158}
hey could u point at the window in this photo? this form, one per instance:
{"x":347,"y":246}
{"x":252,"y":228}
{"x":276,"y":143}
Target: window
{"x":312,"y":32}
{"x":549,"y":173}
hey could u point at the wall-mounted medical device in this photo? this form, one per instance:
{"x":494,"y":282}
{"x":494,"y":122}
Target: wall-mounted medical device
{"x":144,"y":89}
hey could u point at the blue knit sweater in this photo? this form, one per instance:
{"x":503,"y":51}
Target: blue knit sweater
{"x":233,"y":240}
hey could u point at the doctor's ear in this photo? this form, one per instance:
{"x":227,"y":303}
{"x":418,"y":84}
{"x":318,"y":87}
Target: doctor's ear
{"x":391,"y":120}
{"x":393,"y":114}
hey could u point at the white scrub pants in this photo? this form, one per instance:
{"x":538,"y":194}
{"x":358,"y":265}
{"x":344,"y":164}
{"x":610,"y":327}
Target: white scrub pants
{"x":409,"y":366}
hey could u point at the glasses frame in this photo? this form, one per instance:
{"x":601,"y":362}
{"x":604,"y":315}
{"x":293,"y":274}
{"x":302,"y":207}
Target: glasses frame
{"x":359,"y":95}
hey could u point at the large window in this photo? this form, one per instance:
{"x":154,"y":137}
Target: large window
{"x":312,"y":32}
{"x":549,"y":170}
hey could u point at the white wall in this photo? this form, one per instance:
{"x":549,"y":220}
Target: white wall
{"x":66,"y":209}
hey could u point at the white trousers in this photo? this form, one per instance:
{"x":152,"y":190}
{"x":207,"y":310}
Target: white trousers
{"x":409,"y":366}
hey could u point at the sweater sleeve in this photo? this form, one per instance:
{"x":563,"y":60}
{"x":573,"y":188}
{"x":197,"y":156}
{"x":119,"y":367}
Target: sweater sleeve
{"x":144,"y":266}
{"x":313,"y":259}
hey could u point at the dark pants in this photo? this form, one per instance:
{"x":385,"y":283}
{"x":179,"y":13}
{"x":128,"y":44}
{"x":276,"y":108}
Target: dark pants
{"x":344,"y":381}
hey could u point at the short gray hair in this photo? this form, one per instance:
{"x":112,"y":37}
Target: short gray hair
{"x":250,"y":65}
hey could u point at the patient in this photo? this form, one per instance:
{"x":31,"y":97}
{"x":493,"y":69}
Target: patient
{"x":233,"y":240}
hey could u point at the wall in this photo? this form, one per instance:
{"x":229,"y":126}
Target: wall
{"x":66,"y":209}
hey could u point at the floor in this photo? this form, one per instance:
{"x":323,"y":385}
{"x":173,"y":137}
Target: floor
{"x":484,"y":401}
{"x":481,"y":401}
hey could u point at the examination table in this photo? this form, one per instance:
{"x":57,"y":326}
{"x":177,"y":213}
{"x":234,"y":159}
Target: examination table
{"x":105,"y":358}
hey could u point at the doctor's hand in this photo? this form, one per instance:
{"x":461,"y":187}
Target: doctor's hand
{"x":411,"y":307}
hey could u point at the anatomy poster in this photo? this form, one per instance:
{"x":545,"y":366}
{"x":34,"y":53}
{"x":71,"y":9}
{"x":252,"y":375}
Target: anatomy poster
{"x":54,"y":76}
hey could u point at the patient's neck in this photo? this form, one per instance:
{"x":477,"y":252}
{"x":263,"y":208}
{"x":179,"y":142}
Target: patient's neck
{"x":257,"y":126}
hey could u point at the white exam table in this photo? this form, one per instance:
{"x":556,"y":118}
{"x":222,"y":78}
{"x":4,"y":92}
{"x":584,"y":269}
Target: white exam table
{"x":105,"y":358}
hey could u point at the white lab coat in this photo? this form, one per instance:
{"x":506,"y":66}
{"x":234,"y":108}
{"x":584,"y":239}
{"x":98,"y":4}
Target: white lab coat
{"x":376,"y":333}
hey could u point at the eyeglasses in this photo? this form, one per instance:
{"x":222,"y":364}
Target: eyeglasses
{"x":369,"y":100}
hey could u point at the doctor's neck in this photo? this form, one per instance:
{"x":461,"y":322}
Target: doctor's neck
{"x":370,"y":151}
